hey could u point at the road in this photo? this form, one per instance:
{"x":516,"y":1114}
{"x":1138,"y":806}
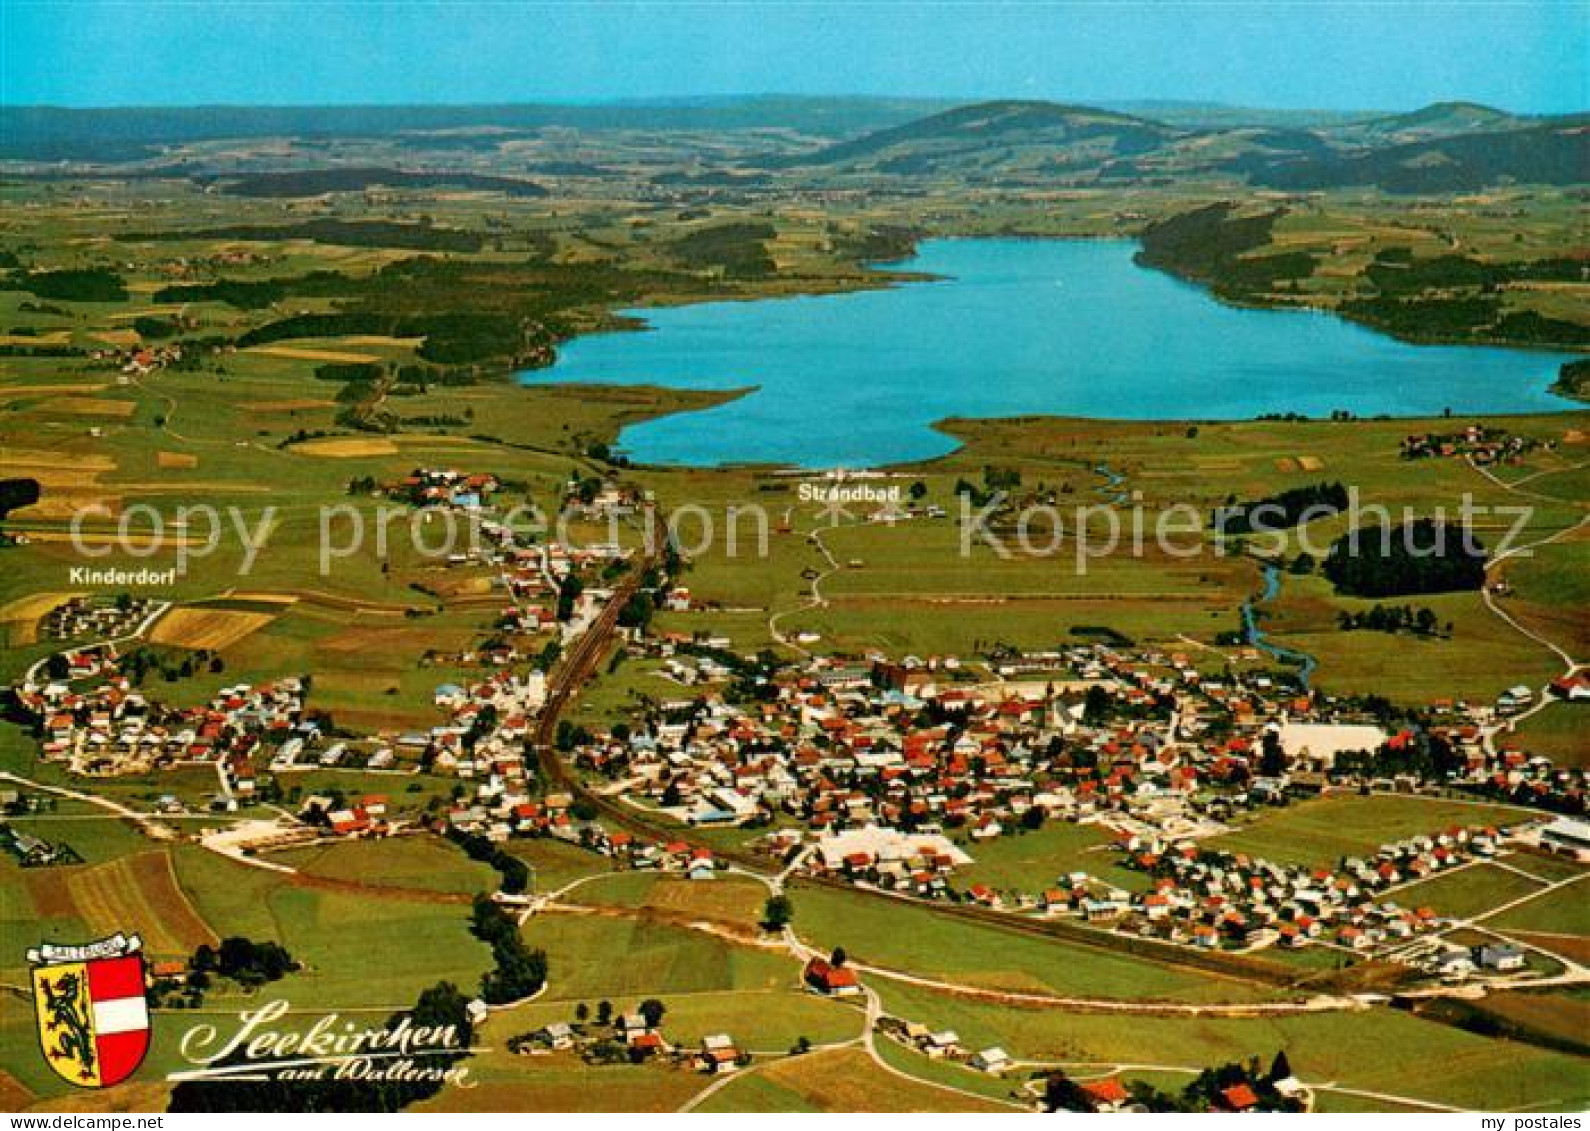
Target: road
{"x":146,"y":822}
{"x":159,"y":610}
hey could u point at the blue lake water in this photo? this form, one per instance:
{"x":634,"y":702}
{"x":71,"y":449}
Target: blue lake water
{"x":1016,"y":327}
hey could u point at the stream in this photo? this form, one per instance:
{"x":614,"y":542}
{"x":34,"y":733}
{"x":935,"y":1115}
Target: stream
{"x":1256,"y":637}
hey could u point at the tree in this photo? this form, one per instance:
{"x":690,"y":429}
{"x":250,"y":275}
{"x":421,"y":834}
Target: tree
{"x":1417,"y":557}
{"x":604,"y":1012}
{"x":582,"y":1012}
{"x":1061,"y":1093}
{"x":838,"y":957}
{"x":1280,"y":1067}
{"x":1272,"y":760}
{"x":253,"y":963}
{"x":652,"y":1011}
{"x":777,"y":912}
{"x":519,"y":971}
{"x":1096,"y":704}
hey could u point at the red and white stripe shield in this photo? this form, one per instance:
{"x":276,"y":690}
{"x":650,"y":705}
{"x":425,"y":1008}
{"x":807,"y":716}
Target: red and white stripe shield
{"x":121,"y":1015}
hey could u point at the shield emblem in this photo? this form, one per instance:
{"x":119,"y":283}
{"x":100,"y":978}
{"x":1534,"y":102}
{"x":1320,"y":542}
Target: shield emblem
{"x":92,"y":1015}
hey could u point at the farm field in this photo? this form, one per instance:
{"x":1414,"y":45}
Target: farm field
{"x":1319,"y":832}
{"x":334,"y":933}
{"x":138,"y":892}
{"x":1562,"y":1016}
{"x":592,"y":956}
{"x":1467,"y":892}
{"x":208,"y":628}
{"x":910,"y":938}
{"x":962,"y":1077}
{"x":1379,"y":1050}
{"x":839,"y":1080}
{"x":416,"y":862}
{"x":1030,"y":862}
{"x":554,"y":863}
{"x":731,"y":900}
{"x":564,"y":1083}
{"x":1565,"y":911}
{"x":1559,"y":733}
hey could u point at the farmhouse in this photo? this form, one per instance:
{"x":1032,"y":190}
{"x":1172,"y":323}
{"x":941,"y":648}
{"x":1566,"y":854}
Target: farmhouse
{"x":718,"y":1055}
{"x":1568,"y":834}
{"x":991,"y":1060}
{"x":833,"y":980}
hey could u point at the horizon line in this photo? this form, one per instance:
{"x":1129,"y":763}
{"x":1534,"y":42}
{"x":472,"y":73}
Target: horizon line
{"x":681,"y":100}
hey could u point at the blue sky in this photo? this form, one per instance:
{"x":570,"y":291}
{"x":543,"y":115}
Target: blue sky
{"x":1530,"y":55}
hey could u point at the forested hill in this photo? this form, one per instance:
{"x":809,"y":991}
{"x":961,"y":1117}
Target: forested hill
{"x":993,"y":131}
{"x":1448,"y":147}
{"x":1554,"y":153}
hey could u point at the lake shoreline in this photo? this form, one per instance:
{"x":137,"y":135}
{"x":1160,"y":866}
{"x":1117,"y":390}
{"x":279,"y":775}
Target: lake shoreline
{"x":844,"y":347}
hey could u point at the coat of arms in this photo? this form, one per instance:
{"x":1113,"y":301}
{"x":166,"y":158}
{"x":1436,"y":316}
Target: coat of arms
{"x":92,"y":1014}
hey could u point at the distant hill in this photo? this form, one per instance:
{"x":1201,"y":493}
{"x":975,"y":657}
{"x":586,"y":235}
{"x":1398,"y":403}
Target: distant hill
{"x":1221,"y":116}
{"x":315,"y":182}
{"x":735,"y":143}
{"x":986,"y":135}
{"x":1449,"y":147}
{"x":1557,"y":152}
{"x":48,"y":133}
{"x":1438,"y":120}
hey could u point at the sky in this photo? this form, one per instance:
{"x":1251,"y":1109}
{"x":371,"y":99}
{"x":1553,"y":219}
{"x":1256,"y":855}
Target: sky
{"x":1530,"y":56}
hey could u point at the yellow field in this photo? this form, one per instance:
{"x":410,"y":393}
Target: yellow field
{"x":49,"y":338}
{"x":154,"y":311}
{"x":139,"y":894}
{"x":304,"y":353}
{"x":195,"y":486}
{"x":13,"y":1096}
{"x":381,"y":340}
{"x":11,"y":392}
{"x":735,"y":903}
{"x":20,"y":618}
{"x":38,"y":464}
{"x":266,"y":598}
{"x":133,"y":1095}
{"x":351,"y":448}
{"x":132,"y":541}
{"x":90,"y":406}
{"x":847,"y":1080}
{"x":287,"y":405}
{"x":213,"y":629}
{"x":176,"y":461}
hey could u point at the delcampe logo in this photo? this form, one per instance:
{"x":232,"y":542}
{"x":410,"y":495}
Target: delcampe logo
{"x":92,"y":1015}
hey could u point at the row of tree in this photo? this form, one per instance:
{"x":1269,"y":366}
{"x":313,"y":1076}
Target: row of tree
{"x":1393,"y":618}
{"x":518,"y":971}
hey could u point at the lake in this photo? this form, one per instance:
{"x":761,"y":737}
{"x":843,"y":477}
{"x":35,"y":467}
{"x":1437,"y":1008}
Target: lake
{"x":1016,"y":327}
